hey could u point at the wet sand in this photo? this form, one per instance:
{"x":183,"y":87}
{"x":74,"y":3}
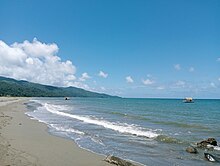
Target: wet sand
{"x":26,"y":142}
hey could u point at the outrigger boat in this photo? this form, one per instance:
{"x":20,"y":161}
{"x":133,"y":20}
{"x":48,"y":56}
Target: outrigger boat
{"x":188,"y":100}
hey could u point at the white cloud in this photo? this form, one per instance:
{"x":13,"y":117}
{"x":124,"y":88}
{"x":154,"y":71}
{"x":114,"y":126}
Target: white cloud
{"x":102,"y":88}
{"x":129,"y":79}
{"x":160,"y":87}
{"x":147,"y":82}
{"x":36,"y":62}
{"x":212,"y":84}
{"x":177,"y":66}
{"x":218,"y":59}
{"x":180,"y":84}
{"x":102,"y":74}
{"x":79,"y":85}
{"x":84,"y":77}
{"x":118,"y":93}
{"x":191,"y":69}
{"x":37,"y":49}
{"x":219,"y":78}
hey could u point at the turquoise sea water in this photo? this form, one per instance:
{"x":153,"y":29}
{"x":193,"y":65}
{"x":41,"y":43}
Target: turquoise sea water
{"x":148,"y":131}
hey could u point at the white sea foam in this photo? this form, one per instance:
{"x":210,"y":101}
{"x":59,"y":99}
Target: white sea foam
{"x":36,"y":101}
{"x":70,"y":130}
{"x":97,"y":141}
{"x":59,"y":107}
{"x":214,"y":147}
{"x":122,"y":128}
{"x":34,"y":118}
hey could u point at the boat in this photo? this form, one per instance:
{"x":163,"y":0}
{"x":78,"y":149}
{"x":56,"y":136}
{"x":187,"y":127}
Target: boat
{"x":188,"y":100}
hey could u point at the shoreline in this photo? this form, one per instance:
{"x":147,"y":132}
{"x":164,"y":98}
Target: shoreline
{"x":24,"y":141}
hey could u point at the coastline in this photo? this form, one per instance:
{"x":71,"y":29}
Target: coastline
{"x":26,"y":142}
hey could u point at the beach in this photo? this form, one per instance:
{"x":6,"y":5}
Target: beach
{"x":148,"y":131}
{"x":26,"y":142}
{"x":53,"y":131}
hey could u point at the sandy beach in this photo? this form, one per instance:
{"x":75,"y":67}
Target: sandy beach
{"x":25,"y":142}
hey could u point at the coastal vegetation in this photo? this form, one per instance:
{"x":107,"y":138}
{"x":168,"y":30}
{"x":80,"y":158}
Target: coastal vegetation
{"x":12,"y":87}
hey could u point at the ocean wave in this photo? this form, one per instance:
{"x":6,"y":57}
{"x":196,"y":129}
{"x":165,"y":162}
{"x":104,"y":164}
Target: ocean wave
{"x":29,"y":114}
{"x":118,"y":113}
{"x":36,"y":101}
{"x":130,"y":116}
{"x":98,"y":141}
{"x":69,"y":130}
{"x":119,"y":127}
{"x":181,"y":125}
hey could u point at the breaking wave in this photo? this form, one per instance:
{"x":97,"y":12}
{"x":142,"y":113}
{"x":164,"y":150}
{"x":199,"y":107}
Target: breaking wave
{"x":69,"y":130}
{"x":119,"y":127}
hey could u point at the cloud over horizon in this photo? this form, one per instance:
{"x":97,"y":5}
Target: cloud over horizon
{"x":129,"y":79}
{"x":180,"y":83}
{"x":147,"y":82}
{"x":103,"y":74}
{"x":84,"y":77}
{"x":36,"y":62}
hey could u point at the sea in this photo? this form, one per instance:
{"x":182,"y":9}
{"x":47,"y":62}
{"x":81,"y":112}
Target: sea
{"x":153,"y":132}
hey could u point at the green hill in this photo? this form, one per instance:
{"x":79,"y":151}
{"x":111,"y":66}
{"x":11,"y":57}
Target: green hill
{"x":12,"y":87}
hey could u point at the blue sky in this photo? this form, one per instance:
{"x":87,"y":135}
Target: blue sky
{"x":149,"y":48}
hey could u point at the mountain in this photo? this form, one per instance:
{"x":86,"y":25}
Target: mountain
{"x":12,"y":87}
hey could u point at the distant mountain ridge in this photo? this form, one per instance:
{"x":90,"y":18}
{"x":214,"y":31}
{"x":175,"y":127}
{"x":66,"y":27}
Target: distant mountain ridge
{"x":12,"y":87}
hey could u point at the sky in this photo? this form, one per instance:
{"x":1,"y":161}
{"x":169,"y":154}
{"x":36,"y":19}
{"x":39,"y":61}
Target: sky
{"x":129,"y":48}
